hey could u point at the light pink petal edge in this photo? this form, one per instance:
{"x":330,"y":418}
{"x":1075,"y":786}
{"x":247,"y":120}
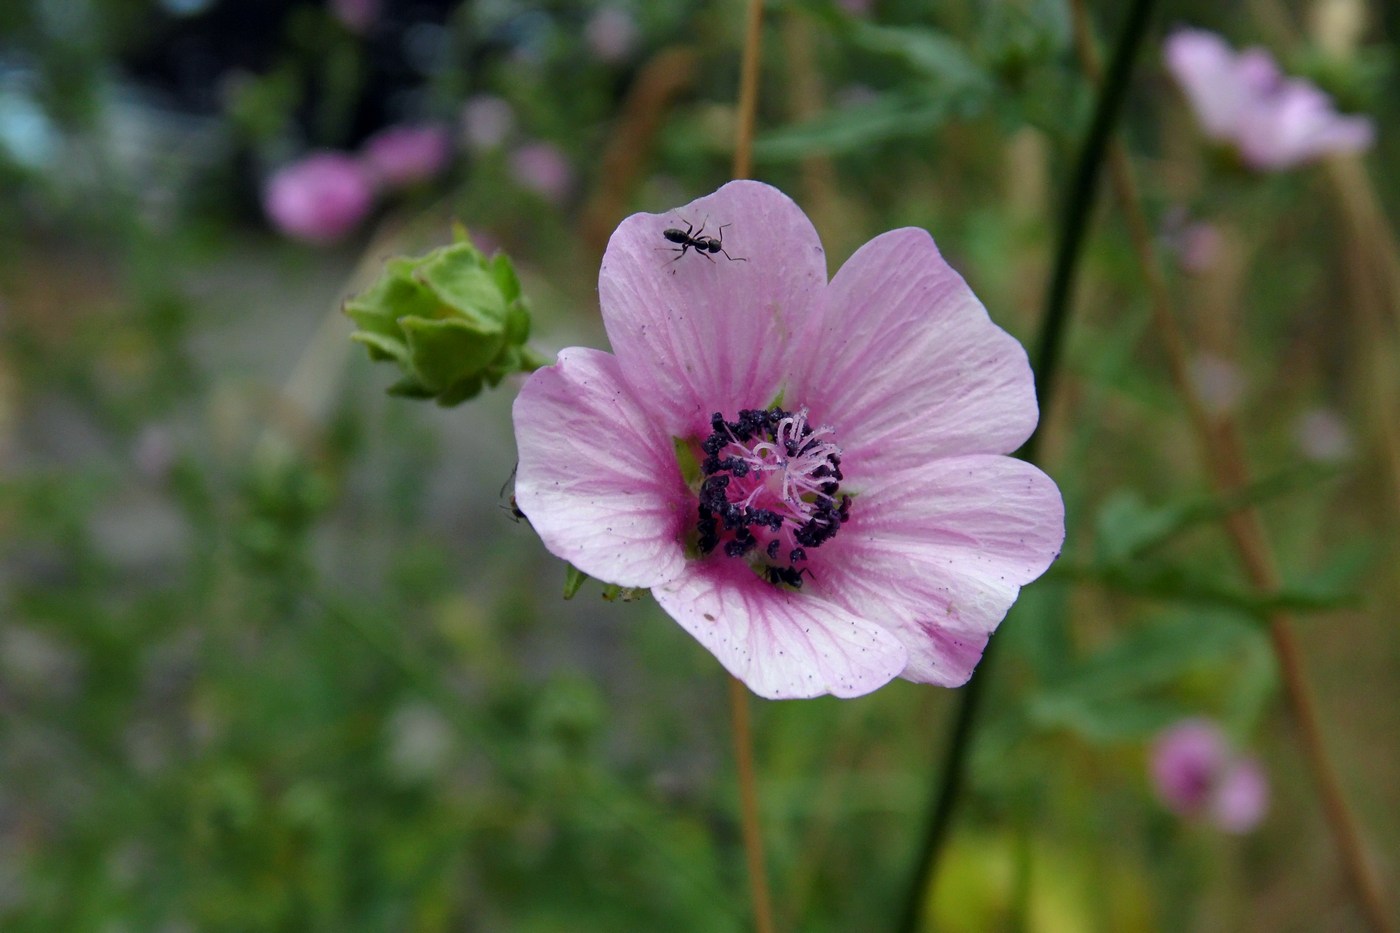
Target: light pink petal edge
{"x":698,"y":333}
{"x":907,"y":366}
{"x":783,"y":644}
{"x":938,"y":555}
{"x":596,"y":479}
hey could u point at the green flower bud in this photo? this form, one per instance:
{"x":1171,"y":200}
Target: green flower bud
{"x":453,"y":320}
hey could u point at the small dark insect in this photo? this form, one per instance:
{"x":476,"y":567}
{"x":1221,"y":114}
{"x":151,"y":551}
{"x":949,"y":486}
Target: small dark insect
{"x":516,"y":515}
{"x":704,"y":245}
{"x":788,"y":575}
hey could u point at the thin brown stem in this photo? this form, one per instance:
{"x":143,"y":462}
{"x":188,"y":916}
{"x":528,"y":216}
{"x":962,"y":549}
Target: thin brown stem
{"x":1218,"y":441}
{"x":748,"y":90}
{"x":748,"y":805}
{"x":738,"y":693}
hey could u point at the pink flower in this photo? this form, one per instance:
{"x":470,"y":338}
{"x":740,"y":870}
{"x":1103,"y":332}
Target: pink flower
{"x":320,"y":198}
{"x":1218,"y":383}
{"x":1244,"y":100}
{"x":808,"y":475}
{"x":356,"y":15}
{"x":404,"y":155}
{"x":486,"y":121}
{"x":543,"y":169}
{"x":1323,"y":436}
{"x":610,"y":33}
{"x":1196,"y":774}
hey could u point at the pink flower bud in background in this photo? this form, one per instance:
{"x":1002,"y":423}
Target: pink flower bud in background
{"x":154,"y":452}
{"x":857,"y":7}
{"x":1197,"y":775}
{"x":1243,"y":100}
{"x":543,"y":169}
{"x":320,"y":198}
{"x":356,"y":15}
{"x":1322,"y":436}
{"x":1241,"y":797}
{"x":1198,"y":246}
{"x":486,"y":121}
{"x":404,"y":155}
{"x":1217,"y":381}
{"x":1185,"y":761}
{"x":611,"y":33}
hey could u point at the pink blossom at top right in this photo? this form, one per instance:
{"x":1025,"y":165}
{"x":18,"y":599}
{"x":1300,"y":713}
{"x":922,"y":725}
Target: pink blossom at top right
{"x":1243,"y":100}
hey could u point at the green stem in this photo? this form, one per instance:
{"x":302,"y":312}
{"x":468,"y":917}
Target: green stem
{"x":1078,"y":212}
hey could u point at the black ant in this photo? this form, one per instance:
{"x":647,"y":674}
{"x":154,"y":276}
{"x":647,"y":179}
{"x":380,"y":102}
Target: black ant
{"x":516,"y":515}
{"x":704,"y":245}
{"x":791,"y":576}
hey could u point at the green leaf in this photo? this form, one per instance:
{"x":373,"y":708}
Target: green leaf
{"x":1112,"y":695}
{"x":891,"y":116}
{"x":927,"y":51}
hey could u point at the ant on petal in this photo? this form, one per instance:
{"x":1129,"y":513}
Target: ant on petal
{"x":691,"y":238}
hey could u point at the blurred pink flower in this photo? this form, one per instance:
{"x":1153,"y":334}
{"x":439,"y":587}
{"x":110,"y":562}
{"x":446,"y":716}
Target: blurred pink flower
{"x":611,"y":33}
{"x":1243,"y":100}
{"x":1196,"y":774}
{"x":1198,"y":246}
{"x":1217,"y":381}
{"x":319,"y":198}
{"x":810,"y":476}
{"x":1241,"y":796}
{"x":404,"y":155}
{"x":1323,"y":436}
{"x":543,"y":169}
{"x":486,"y":121}
{"x":357,"y":15}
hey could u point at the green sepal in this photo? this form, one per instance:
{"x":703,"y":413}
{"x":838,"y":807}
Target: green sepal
{"x":443,"y":353}
{"x":573,"y":579}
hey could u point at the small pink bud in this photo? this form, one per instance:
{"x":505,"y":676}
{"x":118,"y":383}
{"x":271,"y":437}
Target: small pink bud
{"x":543,"y":169}
{"x":1197,"y":775}
{"x":356,"y":15}
{"x":320,"y":198}
{"x":611,"y":33}
{"x":486,"y":121}
{"x":404,"y":155}
{"x":1323,"y":436}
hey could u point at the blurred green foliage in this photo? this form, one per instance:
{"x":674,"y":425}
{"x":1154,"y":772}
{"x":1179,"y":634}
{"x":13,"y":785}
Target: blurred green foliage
{"x":273,"y":655}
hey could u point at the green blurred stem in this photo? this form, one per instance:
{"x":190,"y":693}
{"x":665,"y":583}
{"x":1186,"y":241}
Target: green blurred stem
{"x":1077,"y":214}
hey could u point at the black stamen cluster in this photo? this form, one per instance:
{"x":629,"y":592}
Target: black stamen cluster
{"x":718,"y":514}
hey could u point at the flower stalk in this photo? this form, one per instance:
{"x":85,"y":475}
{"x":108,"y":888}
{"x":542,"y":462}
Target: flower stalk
{"x":759,"y":895}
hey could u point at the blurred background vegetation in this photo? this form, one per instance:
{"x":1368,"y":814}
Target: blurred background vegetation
{"x":274,"y":655}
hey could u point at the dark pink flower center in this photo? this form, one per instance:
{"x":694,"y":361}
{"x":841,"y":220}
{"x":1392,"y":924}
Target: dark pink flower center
{"x":770,"y":488}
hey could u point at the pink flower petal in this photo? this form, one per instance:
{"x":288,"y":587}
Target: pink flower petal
{"x":907,"y":366}
{"x":783,"y":644}
{"x":939,"y":554}
{"x":1185,"y":763}
{"x":697,"y":333}
{"x":1203,"y":64}
{"x":599,"y":484}
{"x":1241,"y":797}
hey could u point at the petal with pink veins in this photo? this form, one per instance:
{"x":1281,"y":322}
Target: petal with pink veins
{"x":943,"y":551}
{"x":906,"y":365}
{"x":697,"y":333}
{"x":783,"y":644}
{"x":597,"y":480}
